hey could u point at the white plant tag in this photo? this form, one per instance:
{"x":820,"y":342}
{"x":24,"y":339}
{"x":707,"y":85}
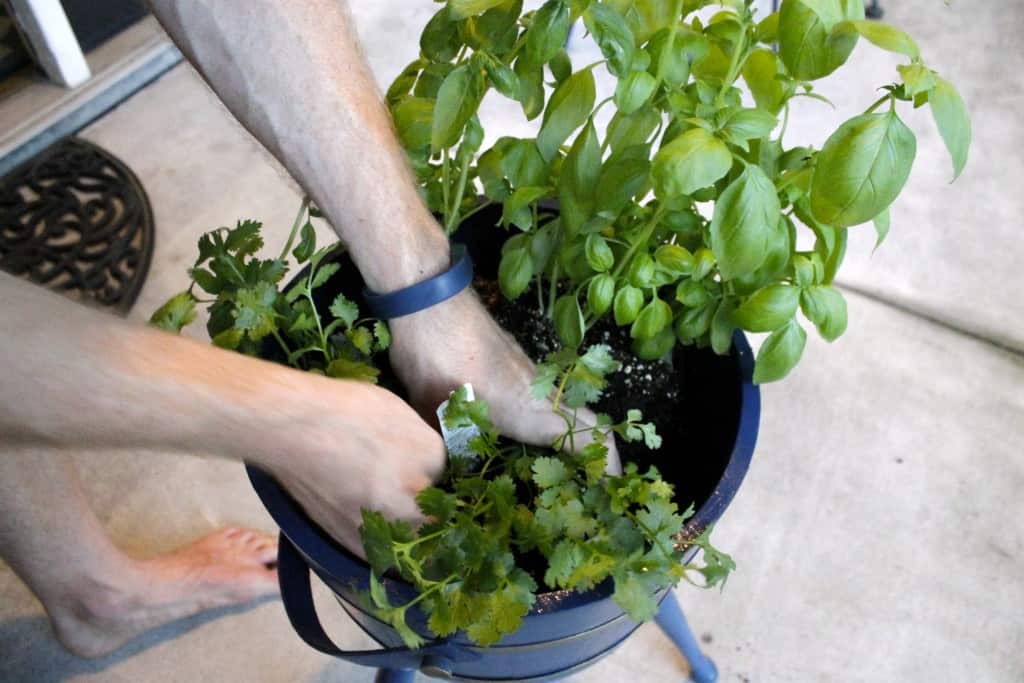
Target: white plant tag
{"x":457,"y":439}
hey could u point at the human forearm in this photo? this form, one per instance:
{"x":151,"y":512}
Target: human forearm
{"x":80,"y":378}
{"x":293,"y":75}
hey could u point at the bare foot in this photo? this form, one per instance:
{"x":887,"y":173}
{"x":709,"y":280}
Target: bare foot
{"x":230,"y":566}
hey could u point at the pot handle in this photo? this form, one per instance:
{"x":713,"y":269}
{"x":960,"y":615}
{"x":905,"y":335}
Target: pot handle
{"x":297,"y":596}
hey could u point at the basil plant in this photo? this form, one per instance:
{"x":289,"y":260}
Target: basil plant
{"x":681,"y":220}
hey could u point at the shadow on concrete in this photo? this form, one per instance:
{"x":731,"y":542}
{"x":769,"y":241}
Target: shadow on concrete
{"x":30,"y":652}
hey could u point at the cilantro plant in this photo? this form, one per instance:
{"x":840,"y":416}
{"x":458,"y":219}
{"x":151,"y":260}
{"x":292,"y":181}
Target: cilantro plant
{"x":493,"y":517}
{"x":247,"y":304}
{"x":681,"y":221}
{"x":507,"y":503}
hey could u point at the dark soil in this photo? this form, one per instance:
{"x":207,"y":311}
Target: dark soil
{"x":649,"y":386}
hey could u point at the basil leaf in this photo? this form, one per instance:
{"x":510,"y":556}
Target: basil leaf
{"x":577,"y":179}
{"x":881,"y":34}
{"x":515,"y":272}
{"x":675,"y":259}
{"x":695,"y":322}
{"x":762,"y":73}
{"x":633,"y":91}
{"x":414,"y":122}
{"x":654,"y":318}
{"x":460,"y":9}
{"x":517,"y":210}
{"x":881,"y":222}
{"x":439,"y":41}
{"x":917,"y":79}
{"x":561,"y":66}
{"x":405,"y":81}
{"x":457,"y":100}
{"x":635,"y":129}
{"x":826,"y":308}
{"x":568,"y":109}
{"x":548,"y":33}
{"x":504,"y":79}
{"x":768,"y":309}
{"x":805,"y":27}
{"x":722,"y":326}
{"x":749,"y":124}
{"x":612,"y":35}
{"x":744,"y":217}
{"x":531,"y":87}
{"x":628,"y":301}
{"x":641,"y":270}
{"x":599,"y":254}
{"x":862,"y":169}
{"x":694,"y":160}
{"x":654,"y":347}
{"x":954,"y":122}
{"x":624,"y":176}
{"x":780,"y":353}
{"x":569,"y":320}
{"x":600,"y":293}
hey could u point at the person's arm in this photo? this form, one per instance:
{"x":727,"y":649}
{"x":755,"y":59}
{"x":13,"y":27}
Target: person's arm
{"x":293,"y":75}
{"x":76,"y":378}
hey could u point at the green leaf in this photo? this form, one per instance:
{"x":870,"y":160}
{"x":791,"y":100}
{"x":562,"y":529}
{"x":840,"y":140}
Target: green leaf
{"x":768,"y":309}
{"x":531,"y":87}
{"x":599,"y":254}
{"x":600,"y":293}
{"x":628,"y":302}
{"x":744,"y":218}
{"x":613,"y":36}
{"x":862,"y":169}
{"x":244,"y":239}
{"x":517,"y":211}
{"x":344,"y":368}
{"x":881,"y":222}
{"x":694,"y":160}
{"x":436,"y":503}
{"x":569,"y":320}
{"x":457,"y":100}
{"x":635,"y":129}
{"x":562,"y":563}
{"x":515,"y":272}
{"x":561,"y":66}
{"x":345,"y":309}
{"x":825,"y":306}
{"x":917,"y":79}
{"x":722,"y":326}
{"x":634,"y":90}
{"x":568,"y":109}
{"x":254,"y":310}
{"x":548,"y":33}
{"x":652,"y":319}
{"x":504,"y":79}
{"x":414,"y":120}
{"x":881,"y":34}
{"x":780,"y":353}
{"x":674,"y":259}
{"x":375,"y":533}
{"x":381,"y":336}
{"x":460,"y":9}
{"x":549,"y":472}
{"x":805,"y":28}
{"x":306,"y":245}
{"x":323,"y":274}
{"x":762,"y":73}
{"x":625,"y":175}
{"x":439,"y":41}
{"x":641,"y":270}
{"x":635,"y":597}
{"x":578,"y":177}
{"x":954,"y":122}
{"x":750,"y":124}
{"x":176,"y":313}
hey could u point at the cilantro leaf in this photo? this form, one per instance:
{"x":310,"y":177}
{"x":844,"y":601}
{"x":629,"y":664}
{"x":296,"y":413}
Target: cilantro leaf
{"x":345,"y":310}
{"x":254,"y":310}
{"x":436,"y":503}
{"x":634,"y":596}
{"x":375,"y":533}
{"x":179,"y":311}
{"x":382,"y":336}
{"x":344,"y":368}
{"x":549,"y":471}
{"x":323,"y":274}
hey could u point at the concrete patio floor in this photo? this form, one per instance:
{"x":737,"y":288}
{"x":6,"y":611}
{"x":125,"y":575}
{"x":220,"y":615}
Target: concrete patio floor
{"x":880,"y":531}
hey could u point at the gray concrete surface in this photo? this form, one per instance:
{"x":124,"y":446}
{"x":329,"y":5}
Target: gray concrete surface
{"x":880,"y":532}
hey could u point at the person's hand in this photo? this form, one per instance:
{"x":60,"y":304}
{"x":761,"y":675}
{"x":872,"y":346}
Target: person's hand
{"x":455,"y":342}
{"x":351,"y":445}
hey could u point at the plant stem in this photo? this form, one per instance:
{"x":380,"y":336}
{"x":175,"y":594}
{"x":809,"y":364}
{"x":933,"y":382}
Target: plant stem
{"x":554,"y":288}
{"x":734,"y":64}
{"x":303,"y":208}
{"x":284,"y":346}
{"x":478,"y":209}
{"x":645,"y":234}
{"x":445,"y":181}
{"x":452,"y":221}
{"x":879,"y":102}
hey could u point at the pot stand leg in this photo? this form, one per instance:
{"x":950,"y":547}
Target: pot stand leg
{"x":395,"y":676}
{"x":672,"y":621}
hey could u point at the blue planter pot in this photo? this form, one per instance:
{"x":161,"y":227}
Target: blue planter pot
{"x":565,"y":631}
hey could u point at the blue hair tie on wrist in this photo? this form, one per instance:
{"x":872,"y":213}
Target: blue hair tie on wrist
{"x":423,"y":295}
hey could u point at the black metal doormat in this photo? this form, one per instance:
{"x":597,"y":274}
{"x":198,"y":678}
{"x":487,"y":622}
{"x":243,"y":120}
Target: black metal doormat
{"x":77,"y":220}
